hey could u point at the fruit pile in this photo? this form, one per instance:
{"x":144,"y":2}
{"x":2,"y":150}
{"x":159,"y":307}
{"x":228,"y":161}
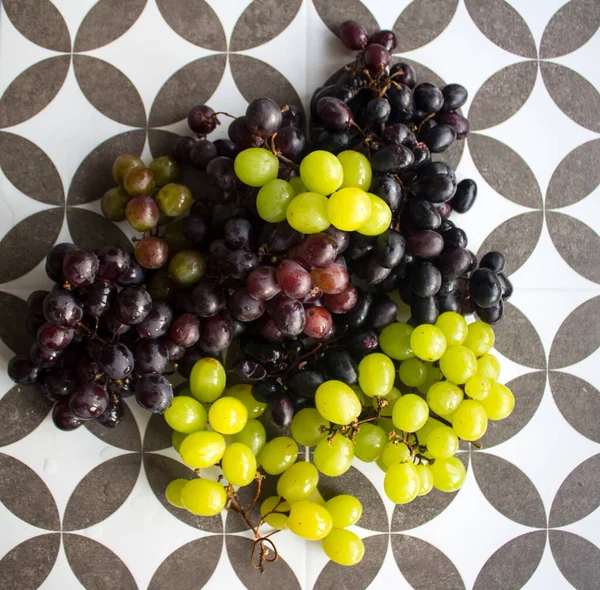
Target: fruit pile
{"x":274,"y":290}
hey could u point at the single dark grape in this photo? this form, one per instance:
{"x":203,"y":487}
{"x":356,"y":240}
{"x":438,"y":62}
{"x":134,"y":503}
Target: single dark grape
{"x":263,"y":117}
{"x":464,"y":198}
{"x":338,"y":364}
{"x":132,"y":305}
{"x":158,"y":321}
{"x":353,"y":35}
{"x":267,"y":329}
{"x":424,"y":310}
{"x":455,"y":97}
{"x":362,"y":343}
{"x":305,"y":383}
{"x":114,"y":414}
{"x":425,"y":244}
{"x":455,"y":238}
{"x":292,"y":116}
{"x":439,"y":138}
{"x":113,"y":262}
{"x":243,"y":307}
{"x":54,"y":336}
{"x":291,"y":143}
{"x":404,"y":73}
{"x":80,"y":267}
{"x":226,"y":147}
{"x":175,"y":351}
{"x":97,"y":299}
{"x":195,"y":230}
{"x":398,"y":134}
{"x":185,"y":331}
{"x":385,"y":38}
{"x":262,"y":283}
{"x":376,"y":58}
{"x":88,"y":401}
{"x":449,"y":302}
{"x":357,"y":316}
{"x":241,"y":136}
{"x":237,"y":232}
{"x":151,"y":356}
{"x":62,"y":417}
{"x":202,"y":153}
{"x":207,"y":300}
{"x":154,"y":393}
{"x":454,"y":262}
{"x":240,"y":263}
{"x":493,"y":260}
{"x":372,"y":272}
{"x":282,"y":410}
{"x":267,"y":390}
{"x":492,"y":314}
{"x":506,"y":285}
{"x":283,"y":237}
{"x":270,"y":354}
{"x":392,"y":159}
{"x":455,"y":120}
{"x":160,"y":286}
{"x":402,"y":105}
{"x":428,"y":97}
{"x":202,"y":120}
{"x":35,"y":304}
{"x":341,"y":239}
{"x":334,"y":142}
{"x":22,"y":370}
{"x":426,"y":280}
{"x":116,"y":361}
{"x":390,"y":248}
{"x":133,"y":276}
{"x":334,"y":114}
{"x":221,"y":173}
{"x":341,"y":302}
{"x":424,"y":214}
{"x":288,"y":315}
{"x":59,"y":383}
{"x":387,"y":188}
{"x":60,"y":307}
{"x":485,"y":288}
{"x":250,"y":370}
{"x":382,"y":313}
{"x":377,"y":111}
{"x":182,"y":148}
{"x":360,"y":246}
{"x":215,"y":333}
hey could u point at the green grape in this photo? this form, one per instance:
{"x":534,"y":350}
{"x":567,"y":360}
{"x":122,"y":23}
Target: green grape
{"x":309,"y":427}
{"x":309,"y":520}
{"x":470,"y":420}
{"x":391,"y":398}
{"x":385,"y":423}
{"x":376,"y":374}
{"x":488,"y":366}
{"x":187,"y":267}
{"x":425,"y":479}
{"x":345,"y":510}
{"x":444,"y":397}
{"x":202,"y":449}
{"x":394,"y":340}
{"x":139,"y":181}
{"x":369,"y":442}
{"x":270,"y":511}
{"x":442,"y":443}
{"x":343,"y":547}
{"x":381,"y":464}
{"x":177,"y":439}
{"x":165,"y":170}
{"x":243,"y":392}
{"x":142,"y":213}
{"x":207,"y":380}
{"x":413,"y":372}
{"x":499,"y":403}
{"x":113,"y":203}
{"x":273,"y":199}
{"x":349,"y":208}
{"x":396,"y":452}
{"x":185,"y":414}
{"x":454,"y":327}
{"x":433,"y":376}
{"x":256,"y":166}
{"x":357,"y":170}
{"x":480,"y":338}
{"x":227,"y":415}
{"x":307,"y":213}
{"x":410,"y":413}
{"x":458,"y":364}
{"x":298,"y":185}
{"x":478,"y":387}
{"x":173,"y":492}
{"x":360,"y":394}
{"x":204,"y":497}
{"x":380,"y":218}
{"x":278,"y":455}
{"x":321,"y":172}
{"x":239,"y":464}
{"x":123,"y":164}
{"x":334,"y":457}
{"x":298,"y":482}
{"x":253,"y":435}
{"x":428,"y":342}
{"x":401,"y":483}
{"x":337,"y":402}
{"x":427,"y":429}
{"x":448,"y":474}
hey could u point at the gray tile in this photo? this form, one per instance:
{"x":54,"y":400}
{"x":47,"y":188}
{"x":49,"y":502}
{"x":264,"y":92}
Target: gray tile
{"x":126,"y":436}
{"x":576,"y":558}
{"x":90,"y":230}
{"x":22,"y":409}
{"x":13,"y":310}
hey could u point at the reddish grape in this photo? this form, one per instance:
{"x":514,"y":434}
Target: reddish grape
{"x":353,"y":35}
{"x":142,"y":213}
{"x":376,"y":58}
{"x":175,"y":351}
{"x":54,"y":337}
{"x":317,"y":250}
{"x":343,"y":301}
{"x":293,"y":279}
{"x":318,"y":322}
{"x":80,"y":267}
{"x":216,"y":333}
{"x":88,"y":401}
{"x":151,"y":252}
{"x":385,"y":38}
{"x":62,"y":417}
{"x":185,"y":331}
{"x":331,"y":279}
{"x":202,"y":119}
{"x":262,"y":283}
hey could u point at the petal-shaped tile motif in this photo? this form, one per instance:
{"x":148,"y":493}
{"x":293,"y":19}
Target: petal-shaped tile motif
{"x":94,"y":175}
{"x":109,"y":90}
{"x":161,"y":142}
{"x":22,"y":409}
{"x":277,"y":575}
{"x":578,"y":402}
{"x":195,"y":21}
{"x":262,"y":21}
{"x":502,"y":25}
{"x":578,"y":495}
{"x":160,"y":471}
{"x":234,"y":523}
{"x":576,"y":242}
{"x":125,"y":436}
{"x":106,"y":21}
{"x":39,"y":553}
{"x":374,"y":516}
{"x":101,"y":492}
{"x":38,"y":507}
{"x":528,"y":390}
{"x":575,"y":177}
{"x":411,"y":555}
{"x":559,"y":39}
{"x":33,"y":90}
{"x":511,"y":566}
{"x":505,"y":171}
{"x":514,"y":83}
{"x":334,"y":12}
{"x":568,"y":347}
{"x":421,"y":22}
{"x":40,"y":22}
{"x":28,"y":243}
{"x":13,"y":311}
{"x":573,"y":94}
{"x":182,"y":569}
{"x":509,"y":490}
{"x":193,"y":84}
{"x":90,"y":230}
{"x":576,"y":558}
{"x":30,"y":169}
{"x":158,"y":434}
{"x":95,"y":565}
{"x":334,"y":576}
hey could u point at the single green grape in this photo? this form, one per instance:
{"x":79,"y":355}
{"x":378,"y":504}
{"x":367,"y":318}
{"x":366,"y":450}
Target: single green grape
{"x":480,"y":338}
{"x":428,"y":342}
{"x":278,"y":455}
{"x":470,"y":420}
{"x":298,"y":482}
{"x":202,"y":449}
{"x":376,"y":374}
{"x":142,"y":213}
{"x":337,"y":402}
{"x":334,"y":457}
{"x":425,"y":479}
{"x":442,"y":442}
{"x":123,"y":164}
{"x":448,"y":474}
{"x":204,"y":497}
{"x":454,"y":327}
{"x":253,"y":435}
{"x":413,"y":372}
{"x":427,"y":429}
{"x":321,"y":172}
{"x":401,"y":483}
{"x":256,"y":166}
{"x":478,"y":387}
{"x":410,"y":413}
{"x":369,"y":442}
{"x":298,"y":185}
{"x":391,"y":398}
{"x":458,"y":364}
{"x":271,"y":511}
{"x":381,"y":464}
{"x":165,"y":170}
{"x":488,"y":366}
{"x":309,"y":427}
{"x":273,"y":199}
{"x":173,"y":492}
{"x":139,"y":181}
{"x":239,"y":464}
{"x":433,"y":376}
{"x":499,"y":403}
{"x":343,"y":547}
{"x":185,"y":415}
{"x":187,"y":267}
{"x":227,"y":415}
{"x":444,"y":397}
{"x":207,"y":380}
{"x":357,"y":170}
{"x":380,"y":218}
{"x":113,"y":203}
{"x":396,"y":452}
{"x":348,"y":208}
{"x":243,"y":392}
{"x":307,"y":213}
{"x":309,"y":520}
{"x":177,"y":439}
{"x":345,"y":510}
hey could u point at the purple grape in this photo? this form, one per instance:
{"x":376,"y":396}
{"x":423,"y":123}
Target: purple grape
{"x":216,"y":333}
{"x":157,"y":322}
{"x":80,"y":267}
{"x":54,"y":337}
{"x":132,"y":305}
{"x":262,"y":283}
{"x":185,"y":331}
{"x":353,"y":35}
{"x":263,"y":117}
{"x":376,"y":58}
{"x":151,"y":356}
{"x":54,"y":261}
{"x":35,"y":305}
{"x":114,"y":414}
{"x":62,"y":417}
{"x":22,"y":370}
{"x":334,"y":114}
{"x":113,"y":263}
{"x":182,"y":149}
{"x":318,"y":250}
{"x":202,"y":153}
{"x":135,"y":275}
{"x":288,"y":316}
{"x":59,"y":383}
{"x":243,"y":307}
{"x":61,"y":308}
{"x":202,"y":120}
{"x":115,"y":361}
{"x":207,"y":300}
{"x":175,"y":351}
{"x":385,"y":38}
{"x":282,"y":410}
{"x":97,"y":299}
{"x":154,"y":393}
{"x":88,"y":401}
